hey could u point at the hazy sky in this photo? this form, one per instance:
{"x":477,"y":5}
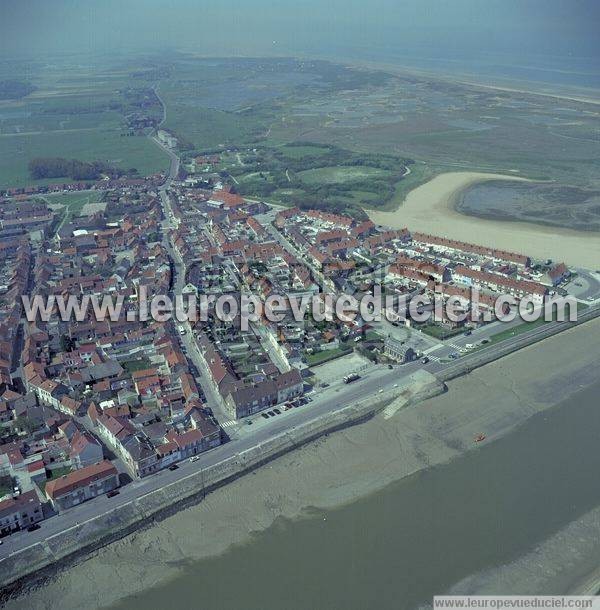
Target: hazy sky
{"x":445,"y":28}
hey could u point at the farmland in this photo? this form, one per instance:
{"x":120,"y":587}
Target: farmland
{"x":76,"y":115}
{"x":298,"y":132}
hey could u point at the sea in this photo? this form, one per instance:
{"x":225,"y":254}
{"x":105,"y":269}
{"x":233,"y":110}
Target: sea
{"x":397,"y":548}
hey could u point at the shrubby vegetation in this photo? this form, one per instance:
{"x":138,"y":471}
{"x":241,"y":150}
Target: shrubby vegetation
{"x":57,"y":167}
{"x":14,"y":89}
{"x":319,"y":176}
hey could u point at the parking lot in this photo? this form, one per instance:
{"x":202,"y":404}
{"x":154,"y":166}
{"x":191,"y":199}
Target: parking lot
{"x":335,"y":370}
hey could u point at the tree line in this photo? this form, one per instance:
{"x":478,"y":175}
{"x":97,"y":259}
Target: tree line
{"x":57,"y":167}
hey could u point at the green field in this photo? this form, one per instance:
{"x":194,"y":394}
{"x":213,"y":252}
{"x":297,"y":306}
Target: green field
{"x":74,"y":202}
{"x":340,"y":175}
{"x":76,"y":113}
{"x":301,"y":152}
{"x":209,"y":129}
{"x":321,"y":134}
{"x":85,"y":145}
{"x":326,"y":355}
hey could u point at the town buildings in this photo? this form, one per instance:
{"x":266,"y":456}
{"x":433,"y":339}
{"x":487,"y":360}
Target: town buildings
{"x":81,"y":485}
{"x":20,"y":512}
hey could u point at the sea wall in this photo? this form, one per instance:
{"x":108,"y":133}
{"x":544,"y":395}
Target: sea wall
{"x":33,"y":564}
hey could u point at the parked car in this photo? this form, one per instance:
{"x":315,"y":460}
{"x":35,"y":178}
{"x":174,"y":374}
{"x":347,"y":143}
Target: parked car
{"x":265,"y":415}
{"x":33,"y":527}
{"x":173,"y":467}
{"x":113,"y":493}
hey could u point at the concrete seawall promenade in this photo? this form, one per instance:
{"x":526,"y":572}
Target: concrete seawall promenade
{"x":39,"y":561}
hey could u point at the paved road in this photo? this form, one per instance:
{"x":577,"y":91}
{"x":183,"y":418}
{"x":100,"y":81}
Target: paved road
{"x":331,"y":399}
{"x":377,"y":379}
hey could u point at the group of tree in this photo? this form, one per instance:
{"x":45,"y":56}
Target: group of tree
{"x":14,"y":89}
{"x":57,"y":167}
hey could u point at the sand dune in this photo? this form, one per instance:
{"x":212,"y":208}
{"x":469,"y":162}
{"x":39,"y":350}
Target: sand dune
{"x":430,"y":208}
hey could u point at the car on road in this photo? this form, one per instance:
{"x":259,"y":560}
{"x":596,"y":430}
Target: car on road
{"x":485,"y":341}
{"x":468,"y":333}
{"x":249,"y":422}
{"x":173,"y":467}
{"x":453,"y":355}
{"x":113,"y":493}
{"x":424,"y":360}
{"x":390,"y":366}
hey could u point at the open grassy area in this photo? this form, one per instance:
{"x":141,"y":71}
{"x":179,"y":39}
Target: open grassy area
{"x":440,"y":332}
{"x":73,"y":204}
{"x":77,"y":112}
{"x":326,"y":355}
{"x":303,"y":151}
{"x":525,"y":327}
{"x":74,"y":201}
{"x":131,"y":366}
{"x":326,"y":135}
{"x":85,"y":145}
{"x":210,"y":129}
{"x":340,"y":175}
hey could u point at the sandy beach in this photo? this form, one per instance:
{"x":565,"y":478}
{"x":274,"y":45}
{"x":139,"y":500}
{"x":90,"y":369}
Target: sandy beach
{"x":340,"y":468}
{"x":430,"y":208}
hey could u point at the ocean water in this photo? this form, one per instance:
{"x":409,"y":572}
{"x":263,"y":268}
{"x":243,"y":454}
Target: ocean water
{"x":416,"y":538}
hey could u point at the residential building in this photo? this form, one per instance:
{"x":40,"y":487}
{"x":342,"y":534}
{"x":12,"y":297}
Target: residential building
{"x":20,"y":512}
{"x":81,"y":485}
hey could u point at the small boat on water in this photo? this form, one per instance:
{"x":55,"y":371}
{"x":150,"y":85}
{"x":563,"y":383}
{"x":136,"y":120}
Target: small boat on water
{"x":480,"y":437}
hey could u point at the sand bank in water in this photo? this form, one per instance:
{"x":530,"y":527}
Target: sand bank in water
{"x":335,"y":470}
{"x":430,"y":208}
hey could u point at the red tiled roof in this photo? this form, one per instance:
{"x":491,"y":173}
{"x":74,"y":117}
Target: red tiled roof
{"x":80,"y":478}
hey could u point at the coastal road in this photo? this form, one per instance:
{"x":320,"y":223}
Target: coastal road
{"x":334,"y":399}
{"x":377,"y":380}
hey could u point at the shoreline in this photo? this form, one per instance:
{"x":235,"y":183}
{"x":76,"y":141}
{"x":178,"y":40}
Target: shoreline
{"x":430,"y":208}
{"x":335,"y":470}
